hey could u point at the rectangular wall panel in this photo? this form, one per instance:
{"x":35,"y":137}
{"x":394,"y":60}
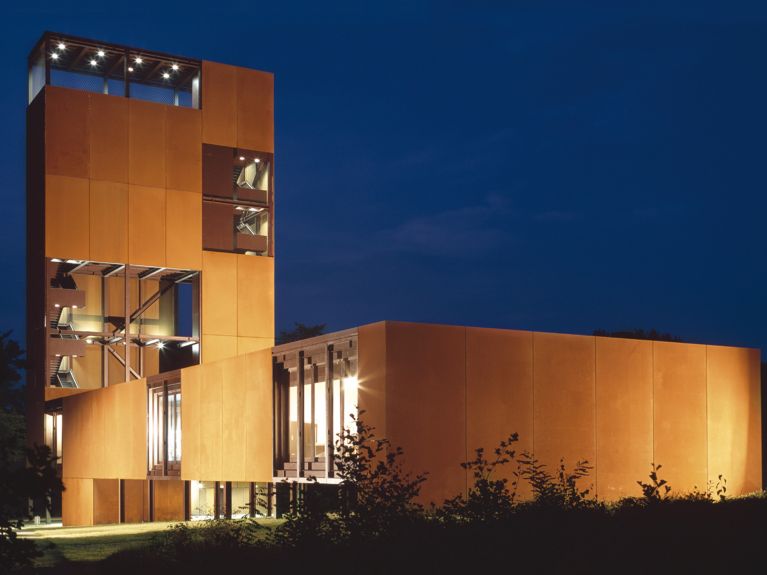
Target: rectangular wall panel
{"x":624,"y":402}
{"x":371,"y":341}
{"x":133,"y":501}
{"x":183,"y":149}
{"x":255,"y":296}
{"x":251,"y":344}
{"x":219,"y":293}
{"x":219,"y":104}
{"x":255,"y":110}
{"x":108,"y":138}
{"x":564,"y":401}
{"x":734,"y":431}
{"x":258,"y":416}
{"x":168,"y":500}
{"x":108,"y":222}
{"x":183,"y":230}
{"x":146,"y":137}
{"x":234,"y":415}
{"x":426,"y":403}
{"x":106,"y":501}
{"x":146,"y":226}
{"x":77,"y":502}
{"x":66,"y":132}
{"x":67,"y":208}
{"x":680,"y":414}
{"x":211,"y":422}
{"x":499,"y":392}
{"x":105,"y":433}
{"x":217,"y":347}
{"x":191,"y":396}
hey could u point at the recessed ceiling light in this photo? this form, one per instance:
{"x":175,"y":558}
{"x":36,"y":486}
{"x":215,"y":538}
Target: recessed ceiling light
{"x":165,"y":75}
{"x":242,"y":158}
{"x":100,"y":53}
{"x":138,"y":60}
{"x":257,"y":160}
{"x":174,"y":67}
{"x":54,"y":56}
{"x":94,"y":63}
{"x":62,"y":46}
{"x":130,"y":68}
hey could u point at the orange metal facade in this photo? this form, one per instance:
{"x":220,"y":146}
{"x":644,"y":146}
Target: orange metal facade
{"x":440,"y":392}
{"x":120,"y":180}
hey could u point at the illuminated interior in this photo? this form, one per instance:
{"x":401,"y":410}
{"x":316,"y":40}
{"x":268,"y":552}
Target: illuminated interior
{"x":315,"y":399}
{"x":88,"y":309}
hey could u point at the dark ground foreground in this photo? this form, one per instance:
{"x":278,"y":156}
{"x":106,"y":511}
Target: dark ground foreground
{"x":671,"y":537}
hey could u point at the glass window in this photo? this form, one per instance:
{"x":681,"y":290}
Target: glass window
{"x":237,"y":213}
{"x":164,"y":433}
{"x":116,"y":70}
{"x":321,"y":413}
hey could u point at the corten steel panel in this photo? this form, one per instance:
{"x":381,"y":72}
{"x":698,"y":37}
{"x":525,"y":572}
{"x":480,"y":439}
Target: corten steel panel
{"x":734,"y":418}
{"x":108,"y":138}
{"x":211,"y":422}
{"x":146,"y":226}
{"x":251,"y":344}
{"x":106,"y":501}
{"x":183,"y":230}
{"x":255,"y":296}
{"x":67,"y":205}
{"x":258,"y":416}
{"x":255,"y":110}
{"x":146,"y":137}
{"x":564,"y":407}
{"x":77,"y":502}
{"x":133,"y":501}
{"x":219,"y":294}
{"x":191,"y":396}
{"x":371,"y":375}
{"x":233,"y":418}
{"x":217,"y":226}
{"x":426,"y":403}
{"x":218,"y":347}
{"x":227,"y":419}
{"x":499,"y":393}
{"x":108,"y":221}
{"x":105,"y":432}
{"x":219,"y":104}
{"x":680,"y":444}
{"x":183,"y":149}
{"x":169,"y":500}
{"x":217,"y":171}
{"x":66,"y":132}
{"x":624,"y":402}
{"x":87,"y":368}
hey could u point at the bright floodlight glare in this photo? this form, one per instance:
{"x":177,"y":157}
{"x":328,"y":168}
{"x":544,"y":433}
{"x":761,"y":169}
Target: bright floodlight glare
{"x":161,"y":345}
{"x":62,"y":46}
{"x":100,"y":53}
{"x":130,"y":68}
{"x":257,"y":160}
{"x":94,"y":63}
{"x":175,"y":67}
{"x":54,"y":56}
{"x":242,"y":158}
{"x":138,"y":60}
{"x":165,"y":75}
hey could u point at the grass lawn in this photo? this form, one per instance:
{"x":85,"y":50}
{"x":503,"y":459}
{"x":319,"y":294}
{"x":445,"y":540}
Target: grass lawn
{"x":75,"y":544}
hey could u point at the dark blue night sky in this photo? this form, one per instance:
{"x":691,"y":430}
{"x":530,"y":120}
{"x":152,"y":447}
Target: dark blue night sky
{"x":561,"y":166}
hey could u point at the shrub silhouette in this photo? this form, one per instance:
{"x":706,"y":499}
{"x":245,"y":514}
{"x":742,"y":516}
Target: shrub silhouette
{"x":489,"y":499}
{"x":375,"y":497}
